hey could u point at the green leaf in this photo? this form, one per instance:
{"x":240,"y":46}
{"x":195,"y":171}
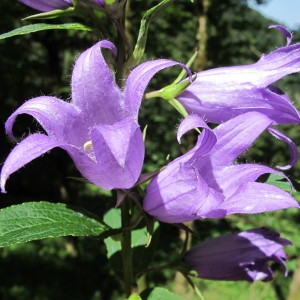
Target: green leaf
{"x":159,"y":293}
{"x":53,"y":14}
{"x":39,"y":27}
{"x":37,"y":220}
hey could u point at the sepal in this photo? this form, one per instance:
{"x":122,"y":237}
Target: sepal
{"x":173,"y":90}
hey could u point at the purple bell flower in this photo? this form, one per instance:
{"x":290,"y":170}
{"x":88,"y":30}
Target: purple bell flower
{"x":207,"y":183}
{"x":242,"y":256}
{"x":220,"y":94}
{"x":99,"y":127}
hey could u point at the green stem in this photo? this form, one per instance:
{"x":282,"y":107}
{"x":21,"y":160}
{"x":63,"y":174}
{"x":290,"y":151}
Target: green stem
{"x":126,"y":248}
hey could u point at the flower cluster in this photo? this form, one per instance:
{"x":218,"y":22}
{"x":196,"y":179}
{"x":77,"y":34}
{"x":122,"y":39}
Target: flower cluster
{"x":99,"y":129}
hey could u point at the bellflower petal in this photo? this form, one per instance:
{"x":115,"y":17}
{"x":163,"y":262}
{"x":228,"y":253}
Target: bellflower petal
{"x":94,"y":90}
{"x":58,"y":118}
{"x":98,"y":128}
{"x":119,"y":149}
{"x":253,"y":198}
{"x":30,"y":148}
{"x":242,"y":256}
{"x":207,"y":139}
{"x":46,"y":5}
{"x":205,"y":182}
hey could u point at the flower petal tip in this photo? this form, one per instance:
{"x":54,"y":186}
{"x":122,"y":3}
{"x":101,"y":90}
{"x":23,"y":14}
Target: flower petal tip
{"x":285,"y":32}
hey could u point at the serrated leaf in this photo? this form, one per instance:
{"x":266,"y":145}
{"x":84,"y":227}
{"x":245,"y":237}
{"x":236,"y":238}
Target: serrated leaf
{"x":159,"y":293}
{"x":37,"y":220}
{"x":42,"y":26}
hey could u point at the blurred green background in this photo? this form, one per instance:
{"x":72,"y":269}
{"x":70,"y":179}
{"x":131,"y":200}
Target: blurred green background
{"x":41,"y":64}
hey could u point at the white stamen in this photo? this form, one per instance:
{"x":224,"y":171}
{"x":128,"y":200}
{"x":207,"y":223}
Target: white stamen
{"x":88,"y":146}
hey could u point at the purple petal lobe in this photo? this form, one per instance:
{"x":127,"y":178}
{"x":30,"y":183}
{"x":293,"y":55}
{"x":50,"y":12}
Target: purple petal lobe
{"x":292,"y":147}
{"x":30,"y":148}
{"x":252,"y":198}
{"x":242,"y":256}
{"x":207,"y":139}
{"x":236,"y":136}
{"x":94,"y":90}
{"x":46,"y":5}
{"x":190,"y":122}
{"x":285,"y":32}
{"x":119,"y":152}
{"x":229,"y":179}
{"x":60,"y":119}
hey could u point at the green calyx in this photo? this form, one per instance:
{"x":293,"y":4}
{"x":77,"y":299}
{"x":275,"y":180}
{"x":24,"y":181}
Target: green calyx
{"x":173,"y":90}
